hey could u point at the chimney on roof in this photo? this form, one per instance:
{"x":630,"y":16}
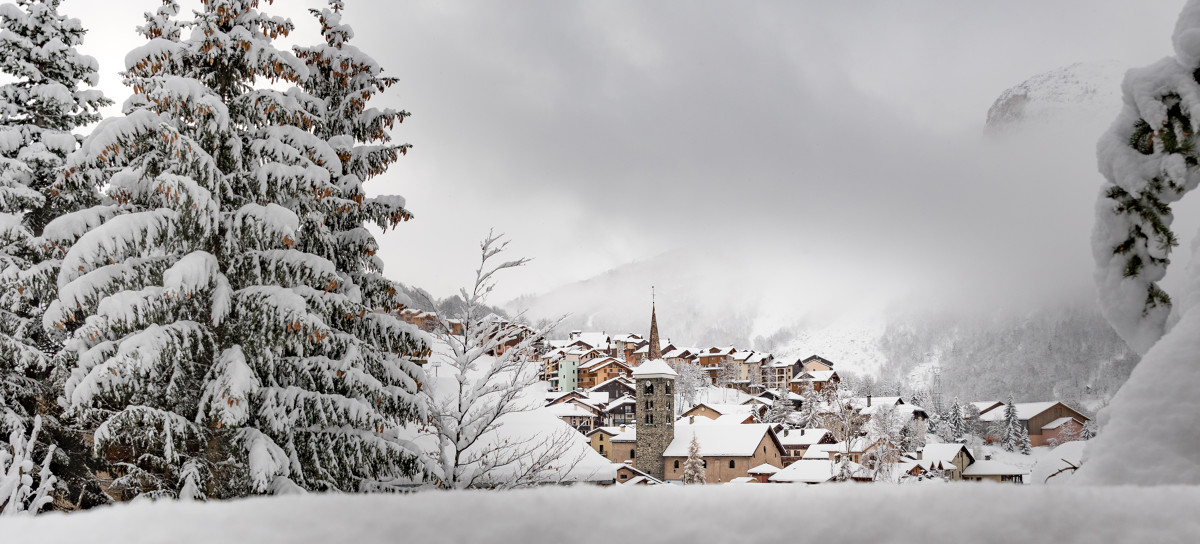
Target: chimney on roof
{"x":987,"y":457}
{"x":691,"y":420}
{"x":622,"y":428}
{"x":868,"y":401}
{"x":802,"y":431}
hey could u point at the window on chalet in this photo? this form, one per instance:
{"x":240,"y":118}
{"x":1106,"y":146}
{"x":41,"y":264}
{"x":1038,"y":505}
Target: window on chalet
{"x":677,"y":463}
{"x":731,"y":465}
{"x":632,"y":453}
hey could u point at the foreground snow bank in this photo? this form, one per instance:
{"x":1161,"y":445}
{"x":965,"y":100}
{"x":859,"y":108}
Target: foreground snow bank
{"x":834,"y":513}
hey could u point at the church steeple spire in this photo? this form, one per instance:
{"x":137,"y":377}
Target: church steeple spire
{"x":655,"y":347}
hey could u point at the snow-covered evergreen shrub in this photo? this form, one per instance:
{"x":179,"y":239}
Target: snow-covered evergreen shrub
{"x":220,"y":347}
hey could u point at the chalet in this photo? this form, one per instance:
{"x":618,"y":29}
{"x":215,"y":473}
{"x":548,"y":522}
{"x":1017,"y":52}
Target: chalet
{"x":598,"y":341}
{"x":615,"y":387}
{"x":954,"y":457}
{"x":797,"y":441}
{"x":814,"y":380}
{"x":1043,"y":420}
{"x":816,"y":362}
{"x":577,"y":414}
{"x":994,"y":471}
{"x":679,"y":356}
{"x":621,"y":411}
{"x":624,"y":346}
{"x":740,"y":412}
{"x":426,"y":321}
{"x":713,"y":359}
{"x":729,"y":451}
{"x":598,"y":370}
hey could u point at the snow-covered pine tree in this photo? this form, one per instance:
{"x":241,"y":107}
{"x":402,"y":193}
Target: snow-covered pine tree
{"x":48,"y":93}
{"x":693,"y":466}
{"x":953,"y":426}
{"x":780,"y":409}
{"x":216,"y":351}
{"x":1011,"y":427}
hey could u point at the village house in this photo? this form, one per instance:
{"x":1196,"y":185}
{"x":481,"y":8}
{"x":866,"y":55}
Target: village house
{"x":1043,"y":420}
{"x":600,"y":439}
{"x":624,"y":346}
{"x":954,"y":457}
{"x":712,"y":359}
{"x":797,"y":441}
{"x":814,"y":380}
{"x":621,"y":411}
{"x":994,"y":471}
{"x":728,"y":451}
{"x":629,"y":475}
{"x":615,"y":387}
{"x":816,"y":363}
{"x":726,"y":413}
{"x":598,"y":370}
{"x":578,"y":415}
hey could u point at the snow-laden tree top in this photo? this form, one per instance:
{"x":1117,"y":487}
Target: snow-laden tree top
{"x":1149,"y":161}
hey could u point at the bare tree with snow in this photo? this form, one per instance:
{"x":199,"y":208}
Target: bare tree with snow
{"x":467,"y":406}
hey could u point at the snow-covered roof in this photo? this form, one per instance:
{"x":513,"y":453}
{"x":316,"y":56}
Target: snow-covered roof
{"x":743,"y":480}
{"x":806,"y":471}
{"x":983,"y":405}
{"x":942,"y":452}
{"x":861,"y":402}
{"x":724,"y":409}
{"x":594,"y":339}
{"x":718,"y":440}
{"x":765,"y":468}
{"x":623,"y":400}
{"x":621,"y":379}
{"x":1025,"y":410}
{"x":1059,"y":422}
{"x":821,"y":451}
{"x":566,"y":409}
{"x":628,"y":435}
{"x":612,"y":431}
{"x":815,"y":376}
{"x":993,"y":468}
{"x":598,"y":362}
{"x":801,"y":437}
{"x":597,"y":397}
{"x":657,"y":368}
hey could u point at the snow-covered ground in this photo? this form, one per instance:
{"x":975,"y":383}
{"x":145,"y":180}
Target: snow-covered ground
{"x":726,"y":513}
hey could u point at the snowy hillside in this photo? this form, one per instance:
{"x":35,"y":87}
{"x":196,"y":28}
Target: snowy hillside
{"x":1081,"y":90}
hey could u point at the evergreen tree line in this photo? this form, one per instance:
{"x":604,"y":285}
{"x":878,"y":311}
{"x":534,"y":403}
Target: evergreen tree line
{"x":192,"y":304}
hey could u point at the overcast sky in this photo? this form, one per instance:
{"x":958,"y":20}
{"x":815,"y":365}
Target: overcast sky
{"x":600,"y":133}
